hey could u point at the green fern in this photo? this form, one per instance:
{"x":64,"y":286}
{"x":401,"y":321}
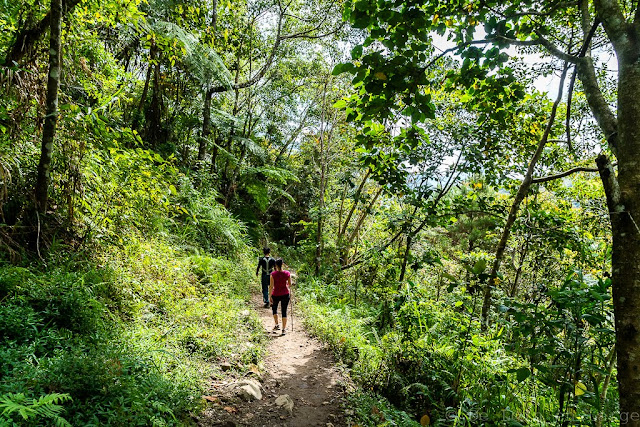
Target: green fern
{"x":46,"y":406}
{"x":226,"y":154}
{"x":279,"y":192}
{"x":202,"y":61}
{"x":251,"y":146}
{"x":278,"y":175}
{"x":224,"y":121}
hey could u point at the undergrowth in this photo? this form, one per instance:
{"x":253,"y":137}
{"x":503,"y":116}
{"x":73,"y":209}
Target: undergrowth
{"x":419,"y":358}
{"x":131,"y":307}
{"x":129,"y":335}
{"x":425,"y":364}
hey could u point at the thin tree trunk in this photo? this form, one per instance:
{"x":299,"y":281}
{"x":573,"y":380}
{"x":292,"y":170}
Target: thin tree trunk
{"x":515,"y":206}
{"x":206,"y":126}
{"x":145,"y":90}
{"x":523,"y":255}
{"x":214,"y":155}
{"x":51,"y":119}
{"x":363,"y":216}
{"x":342,"y":228}
{"x":322,"y":189}
{"x":214,"y":16}
{"x":154,"y":113}
{"x":208,"y":94}
{"x":405,"y":258}
{"x":611,"y":363}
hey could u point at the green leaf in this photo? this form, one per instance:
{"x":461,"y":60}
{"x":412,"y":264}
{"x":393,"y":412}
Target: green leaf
{"x":356,"y":52}
{"x":479,"y":266}
{"x":343,"y":68}
{"x":522,"y":374}
{"x":449,"y":276}
{"x":340,"y":104}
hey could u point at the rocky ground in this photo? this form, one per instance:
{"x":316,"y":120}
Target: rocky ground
{"x":299,"y":385}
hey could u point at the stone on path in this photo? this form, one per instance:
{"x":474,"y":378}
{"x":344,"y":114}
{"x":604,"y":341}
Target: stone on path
{"x":285,"y":402}
{"x":248,"y":389}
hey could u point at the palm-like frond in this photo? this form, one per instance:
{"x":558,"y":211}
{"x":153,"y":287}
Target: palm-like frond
{"x":278,"y":175}
{"x":277,"y":192}
{"x":251,"y":146}
{"x":201,"y":60}
{"x":224,"y":121}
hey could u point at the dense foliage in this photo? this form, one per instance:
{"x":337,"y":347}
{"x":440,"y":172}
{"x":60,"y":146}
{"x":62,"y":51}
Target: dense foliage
{"x":437,"y":197}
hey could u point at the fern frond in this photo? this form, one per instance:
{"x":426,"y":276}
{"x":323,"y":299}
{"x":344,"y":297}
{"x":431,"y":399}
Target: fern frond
{"x":251,"y":146}
{"x":280,"y":192}
{"x":228,"y":155}
{"x":202,"y":61}
{"x":279,"y":175}
{"x":46,"y":406}
{"x":224,"y":121}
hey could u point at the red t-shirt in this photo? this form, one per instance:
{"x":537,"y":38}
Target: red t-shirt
{"x":280,"y":283}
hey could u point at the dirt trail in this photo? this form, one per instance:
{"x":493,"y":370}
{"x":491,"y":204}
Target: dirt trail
{"x":296,"y":365}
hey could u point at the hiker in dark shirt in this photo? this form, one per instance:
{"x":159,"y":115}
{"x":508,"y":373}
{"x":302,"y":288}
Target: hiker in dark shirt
{"x":266,"y":264}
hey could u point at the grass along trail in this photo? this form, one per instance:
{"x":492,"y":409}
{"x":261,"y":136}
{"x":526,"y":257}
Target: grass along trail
{"x":296,"y":365}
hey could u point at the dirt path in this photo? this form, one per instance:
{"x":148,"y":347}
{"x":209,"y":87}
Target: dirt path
{"x":296,"y":365}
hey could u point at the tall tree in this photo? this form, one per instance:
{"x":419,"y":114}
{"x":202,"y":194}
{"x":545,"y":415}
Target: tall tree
{"x":559,"y":30}
{"x":51,"y":118}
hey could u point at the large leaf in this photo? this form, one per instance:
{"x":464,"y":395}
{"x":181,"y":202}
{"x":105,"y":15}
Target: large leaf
{"x":224,"y":121}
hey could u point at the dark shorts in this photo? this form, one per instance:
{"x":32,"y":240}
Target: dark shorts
{"x":285,"y":303}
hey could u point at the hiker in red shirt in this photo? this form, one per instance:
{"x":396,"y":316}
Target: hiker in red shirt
{"x":279,"y":291}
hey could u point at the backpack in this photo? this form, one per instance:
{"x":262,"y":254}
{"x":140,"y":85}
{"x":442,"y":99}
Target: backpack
{"x":266,"y":270}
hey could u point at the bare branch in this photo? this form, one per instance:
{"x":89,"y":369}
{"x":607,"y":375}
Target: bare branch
{"x":563,"y":174}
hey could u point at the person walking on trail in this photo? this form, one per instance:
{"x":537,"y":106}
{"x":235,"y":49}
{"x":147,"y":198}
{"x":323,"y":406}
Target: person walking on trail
{"x":280,"y":292}
{"x":266,"y":265}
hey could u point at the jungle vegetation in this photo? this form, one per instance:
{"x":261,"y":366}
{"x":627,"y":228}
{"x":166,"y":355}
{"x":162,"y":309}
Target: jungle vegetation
{"x":456,"y":184}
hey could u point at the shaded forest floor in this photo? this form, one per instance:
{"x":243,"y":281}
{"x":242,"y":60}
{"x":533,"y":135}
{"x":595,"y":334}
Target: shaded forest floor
{"x":296,"y":365}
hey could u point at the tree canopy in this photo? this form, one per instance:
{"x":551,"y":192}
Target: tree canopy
{"x":465,"y":237}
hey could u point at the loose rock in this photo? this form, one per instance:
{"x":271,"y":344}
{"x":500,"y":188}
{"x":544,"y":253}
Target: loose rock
{"x":247,"y":389}
{"x":284,"y":401}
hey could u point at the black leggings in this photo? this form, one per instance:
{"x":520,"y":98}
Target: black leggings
{"x":285,"y":304}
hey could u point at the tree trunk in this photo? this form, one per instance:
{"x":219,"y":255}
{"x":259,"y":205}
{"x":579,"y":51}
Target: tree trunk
{"x":145,"y":90}
{"x":51,"y":119}
{"x":513,"y":212}
{"x":153,"y":117}
{"x":405,"y":258}
{"x":214,"y":16}
{"x":321,"y":195}
{"x":624,"y":209}
{"x":206,"y":126}
{"x":214,"y":155}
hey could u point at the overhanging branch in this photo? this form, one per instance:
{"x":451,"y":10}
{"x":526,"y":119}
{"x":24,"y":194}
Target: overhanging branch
{"x":563,"y":174}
